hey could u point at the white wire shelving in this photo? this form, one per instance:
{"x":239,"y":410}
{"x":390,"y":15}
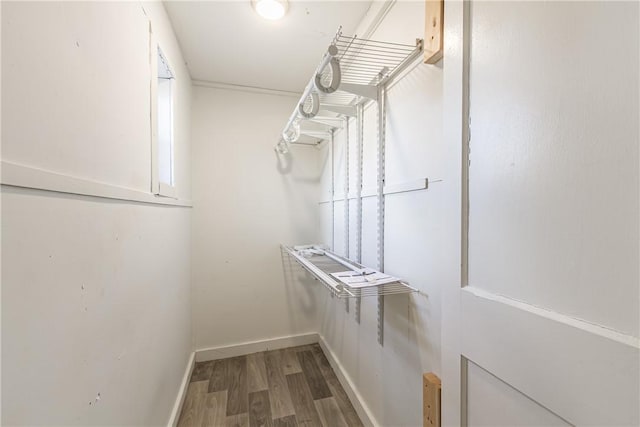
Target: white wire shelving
{"x":353,"y":71}
{"x":323,"y":264}
{"x":350,"y":73}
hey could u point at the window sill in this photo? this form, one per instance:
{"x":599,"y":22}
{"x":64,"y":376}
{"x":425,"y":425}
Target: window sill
{"x":17,"y":175}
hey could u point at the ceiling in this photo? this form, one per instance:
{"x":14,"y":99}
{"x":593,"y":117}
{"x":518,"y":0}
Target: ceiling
{"x":227,"y":42}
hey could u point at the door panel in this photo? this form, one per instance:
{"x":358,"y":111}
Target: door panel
{"x":586,"y":374}
{"x":553,"y":175}
{"x":541,"y":327}
{"x":494,"y":403}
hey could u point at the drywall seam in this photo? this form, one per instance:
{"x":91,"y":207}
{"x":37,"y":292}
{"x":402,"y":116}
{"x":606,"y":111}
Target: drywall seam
{"x":182,"y":392}
{"x":586,"y":326}
{"x":17,"y":175}
{"x":365,"y":414}
{"x":241,"y":349}
{"x":242,"y":88}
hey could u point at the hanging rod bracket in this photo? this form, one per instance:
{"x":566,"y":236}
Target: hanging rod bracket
{"x":368,"y":91}
{"x":350,"y":72}
{"x":347,"y":110}
{"x":315,"y":134}
{"x":329,"y":123}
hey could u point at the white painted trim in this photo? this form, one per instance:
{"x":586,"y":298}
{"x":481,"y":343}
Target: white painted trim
{"x":583,"y":325}
{"x":374,"y":17}
{"x":166,"y":190}
{"x":241,"y":88}
{"x":453,"y":405}
{"x":182,"y":392}
{"x":555,"y":363}
{"x":17,"y":175}
{"x":365,"y":414}
{"x":241,"y":349}
{"x":153,"y":110}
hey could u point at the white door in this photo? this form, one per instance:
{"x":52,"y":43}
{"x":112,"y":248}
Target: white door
{"x":541,"y":327}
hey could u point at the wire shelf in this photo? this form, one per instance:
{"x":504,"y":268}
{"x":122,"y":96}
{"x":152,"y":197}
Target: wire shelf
{"x":350,"y":73}
{"x":322,"y":265}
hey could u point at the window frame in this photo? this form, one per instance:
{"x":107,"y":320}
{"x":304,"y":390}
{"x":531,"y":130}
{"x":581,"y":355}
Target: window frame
{"x":158,"y":187}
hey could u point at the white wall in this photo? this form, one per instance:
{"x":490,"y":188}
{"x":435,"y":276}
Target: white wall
{"x":388,"y":377}
{"x":95,"y":292}
{"x":247,"y":200}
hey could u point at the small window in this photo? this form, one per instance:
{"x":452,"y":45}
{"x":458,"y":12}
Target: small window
{"x":164,"y":125}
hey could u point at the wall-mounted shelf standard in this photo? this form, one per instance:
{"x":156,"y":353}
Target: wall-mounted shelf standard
{"x":350,"y":73}
{"x":353,"y":72}
{"x":322,"y":263}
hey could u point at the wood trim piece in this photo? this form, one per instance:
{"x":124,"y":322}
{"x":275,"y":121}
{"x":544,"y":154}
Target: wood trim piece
{"x":17,"y":175}
{"x":434,"y":31}
{"x":431,"y":387}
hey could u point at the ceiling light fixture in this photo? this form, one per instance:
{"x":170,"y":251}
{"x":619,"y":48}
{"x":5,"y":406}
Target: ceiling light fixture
{"x":270,"y":9}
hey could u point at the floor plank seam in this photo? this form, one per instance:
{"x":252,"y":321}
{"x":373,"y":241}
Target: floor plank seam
{"x":289,"y":387}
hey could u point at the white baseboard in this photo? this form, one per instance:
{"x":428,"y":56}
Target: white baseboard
{"x":365,"y":414}
{"x":242,"y":349}
{"x":182,"y":393}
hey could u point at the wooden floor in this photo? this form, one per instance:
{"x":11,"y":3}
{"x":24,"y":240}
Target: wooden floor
{"x":280,"y":388}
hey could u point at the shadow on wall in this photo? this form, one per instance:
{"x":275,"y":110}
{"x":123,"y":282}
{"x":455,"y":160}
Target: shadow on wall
{"x":284,"y":162}
{"x":303,"y":174}
{"x":394,"y":368}
{"x":298,"y":284}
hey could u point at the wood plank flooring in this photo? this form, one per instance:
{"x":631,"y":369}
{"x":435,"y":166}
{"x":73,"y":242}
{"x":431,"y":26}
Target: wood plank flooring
{"x":293,"y":387}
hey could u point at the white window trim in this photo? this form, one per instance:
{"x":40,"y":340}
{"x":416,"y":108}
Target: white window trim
{"x":158,"y":188}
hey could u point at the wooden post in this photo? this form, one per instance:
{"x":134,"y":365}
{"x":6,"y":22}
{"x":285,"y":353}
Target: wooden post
{"x":431,"y":400}
{"x":434,"y":31}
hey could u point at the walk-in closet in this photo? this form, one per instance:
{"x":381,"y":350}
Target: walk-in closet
{"x":320,"y":213}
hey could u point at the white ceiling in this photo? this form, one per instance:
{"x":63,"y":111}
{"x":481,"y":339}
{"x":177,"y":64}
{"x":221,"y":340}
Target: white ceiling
{"x":227,"y":42}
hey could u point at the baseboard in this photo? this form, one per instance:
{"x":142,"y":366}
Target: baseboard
{"x":365,"y":414}
{"x":242,"y":349}
{"x":182,"y":393}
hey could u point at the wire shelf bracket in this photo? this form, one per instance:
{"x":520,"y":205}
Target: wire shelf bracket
{"x":351,"y":72}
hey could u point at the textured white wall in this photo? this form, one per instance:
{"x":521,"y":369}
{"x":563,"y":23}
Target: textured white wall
{"x":95,"y":292}
{"x":247,"y":202}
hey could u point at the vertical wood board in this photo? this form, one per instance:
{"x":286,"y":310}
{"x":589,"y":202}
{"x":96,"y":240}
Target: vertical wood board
{"x":433,"y":31}
{"x":431,"y":387}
